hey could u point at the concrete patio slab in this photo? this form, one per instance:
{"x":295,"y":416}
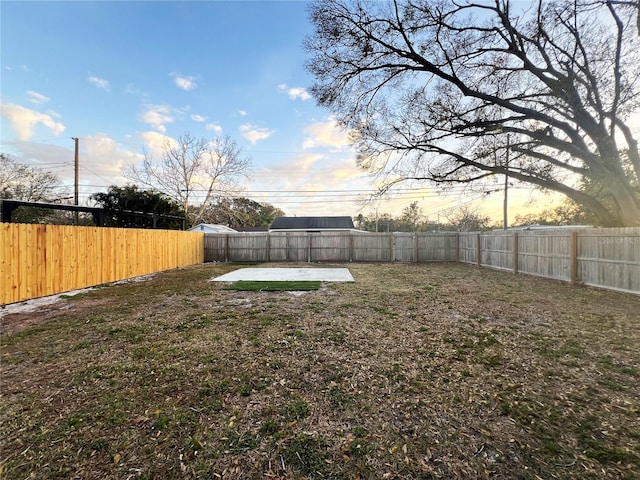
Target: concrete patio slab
{"x":285,"y":274}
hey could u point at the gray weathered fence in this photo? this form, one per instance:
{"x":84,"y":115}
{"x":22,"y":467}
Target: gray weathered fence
{"x":606,"y":258}
{"x":602,"y":257}
{"x":331,"y":247}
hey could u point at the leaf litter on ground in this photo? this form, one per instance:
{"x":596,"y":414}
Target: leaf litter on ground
{"x":413,"y":371}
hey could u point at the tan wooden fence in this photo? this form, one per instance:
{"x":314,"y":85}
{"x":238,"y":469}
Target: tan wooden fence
{"x":606,"y":258}
{"x":39,"y":260}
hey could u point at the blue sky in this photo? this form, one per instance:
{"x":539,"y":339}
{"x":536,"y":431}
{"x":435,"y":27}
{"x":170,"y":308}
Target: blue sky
{"x":122,"y":76}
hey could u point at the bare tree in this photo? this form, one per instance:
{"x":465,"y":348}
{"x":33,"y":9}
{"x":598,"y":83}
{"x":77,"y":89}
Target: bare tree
{"x":24,"y":182}
{"x":192,"y":170}
{"x":431,"y":90}
{"x":412,"y":215}
{"x":238,"y":212}
{"x":466,"y":218}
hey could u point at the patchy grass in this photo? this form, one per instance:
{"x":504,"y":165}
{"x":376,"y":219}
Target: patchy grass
{"x":411,"y":372}
{"x":274,"y":286}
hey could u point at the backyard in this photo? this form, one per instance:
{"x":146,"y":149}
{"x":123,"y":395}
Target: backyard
{"x":411,"y":372}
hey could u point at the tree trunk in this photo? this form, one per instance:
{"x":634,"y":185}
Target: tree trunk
{"x":629,"y":207}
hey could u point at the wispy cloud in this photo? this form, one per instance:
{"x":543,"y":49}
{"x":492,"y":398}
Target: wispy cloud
{"x":22,"y":67}
{"x":98,"y":82}
{"x":242,"y":113}
{"x":24,"y":121}
{"x":184,"y":82}
{"x":325,"y":134}
{"x":158,"y":116}
{"x":198,"y":118}
{"x":295,"y":93}
{"x":131,"y":89}
{"x":295,"y":169}
{"x":214,"y":127}
{"x":255,"y":134}
{"x":37,"y":98}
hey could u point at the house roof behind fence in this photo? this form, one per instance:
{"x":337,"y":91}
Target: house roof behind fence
{"x":312,"y":223}
{"x":212,"y":228}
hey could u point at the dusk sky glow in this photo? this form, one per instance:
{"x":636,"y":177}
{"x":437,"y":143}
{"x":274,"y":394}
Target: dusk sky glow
{"x":123,"y":76}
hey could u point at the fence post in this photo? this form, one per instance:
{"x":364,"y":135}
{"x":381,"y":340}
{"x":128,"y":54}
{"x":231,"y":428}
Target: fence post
{"x":415,"y":247}
{"x":478,"y":251}
{"x":226,"y":248}
{"x":515,"y":252}
{"x":457,"y":248}
{"x":309,"y":247}
{"x":350,"y":246}
{"x":574,"y":258}
{"x":392,"y":246}
{"x":268,"y":247}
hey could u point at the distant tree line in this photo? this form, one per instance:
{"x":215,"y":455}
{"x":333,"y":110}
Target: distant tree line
{"x":468,"y":218}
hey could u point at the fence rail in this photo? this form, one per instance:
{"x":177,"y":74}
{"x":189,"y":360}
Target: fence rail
{"x":39,"y":260}
{"x":606,"y":258}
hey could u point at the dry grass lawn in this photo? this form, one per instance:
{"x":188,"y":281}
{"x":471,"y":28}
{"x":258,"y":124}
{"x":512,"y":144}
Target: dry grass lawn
{"x":411,"y":372}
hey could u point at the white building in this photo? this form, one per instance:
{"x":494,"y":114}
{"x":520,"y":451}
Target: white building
{"x":212,"y":228}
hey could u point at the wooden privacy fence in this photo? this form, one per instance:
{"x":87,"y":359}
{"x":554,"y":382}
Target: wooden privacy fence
{"x":330,"y":247}
{"x":606,"y":258}
{"x":600,"y":257}
{"x":39,"y":260}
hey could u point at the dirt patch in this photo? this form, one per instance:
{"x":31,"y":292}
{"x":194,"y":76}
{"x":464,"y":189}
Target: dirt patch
{"x":413,"y":371}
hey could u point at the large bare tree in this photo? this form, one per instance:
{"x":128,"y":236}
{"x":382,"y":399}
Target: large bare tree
{"x":458,"y":91}
{"x":25,"y":182}
{"x":192,"y":170}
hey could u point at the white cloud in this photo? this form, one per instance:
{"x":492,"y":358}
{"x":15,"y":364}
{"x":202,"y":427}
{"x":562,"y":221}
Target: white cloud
{"x":298,"y":92}
{"x":24,"y":120}
{"x":325,"y":134}
{"x":98,"y":82}
{"x":104,"y":158}
{"x":295,"y":93}
{"x":242,"y":113}
{"x":37,"y":98}
{"x":22,"y":67}
{"x":155,"y":142}
{"x":184,"y":82}
{"x":214,"y":127}
{"x":255,"y":134}
{"x":157,"y":116}
{"x":198,"y":118}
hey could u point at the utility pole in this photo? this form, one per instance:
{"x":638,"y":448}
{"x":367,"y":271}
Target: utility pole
{"x":75,"y":184}
{"x":505,"y":218}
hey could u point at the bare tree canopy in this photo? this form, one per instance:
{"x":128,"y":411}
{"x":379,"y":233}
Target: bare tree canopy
{"x":24,"y":182}
{"x":192,"y":170}
{"x":468,"y":219}
{"x":240,"y":212}
{"x":458,"y":91}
